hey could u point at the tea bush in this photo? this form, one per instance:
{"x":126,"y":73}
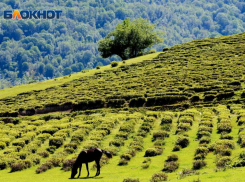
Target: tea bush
{"x":56,"y":141}
{"x":150,"y":152}
{"x":198,"y":164}
{"x":160,"y":176}
{"x":182,"y":141}
{"x":171,"y":166}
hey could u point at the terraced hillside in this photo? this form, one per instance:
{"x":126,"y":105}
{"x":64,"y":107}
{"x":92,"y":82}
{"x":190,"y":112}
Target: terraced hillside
{"x":179,"y":116}
{"x":201,"y":72}
{"x":205,"y":144}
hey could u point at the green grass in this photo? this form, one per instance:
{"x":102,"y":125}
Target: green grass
{"x":113,"y":172}
{"x":9,"y":92}
{"x":205,"y":75}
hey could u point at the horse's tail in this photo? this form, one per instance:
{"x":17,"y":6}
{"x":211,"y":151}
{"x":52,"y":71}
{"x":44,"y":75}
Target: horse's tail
{"x":108,"y":154}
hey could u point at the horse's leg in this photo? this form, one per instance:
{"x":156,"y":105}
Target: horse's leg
{"x":98,"y":167}
{"x":80,"y":168}
{"x":87,"y":169}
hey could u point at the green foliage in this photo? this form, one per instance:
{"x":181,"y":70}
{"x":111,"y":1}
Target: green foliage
{"x":56,"y":141}
{"x":198,"y":164}
{"x":223,"y":161}
{"x":20,"y":165}
{"x":150,"y":152}
{"x":171,"y":166}
{"x":182,"y":141}
{"x":2,"y":145}
{"x":129,"y":39}
{"x":131,"y":180}
{"x":114,"y":64}
{"x":160,"y":176}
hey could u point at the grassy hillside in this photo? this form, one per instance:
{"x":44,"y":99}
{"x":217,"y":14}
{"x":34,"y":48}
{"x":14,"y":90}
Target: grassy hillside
{"x":180,"y":112}
{"x":202,"y":72}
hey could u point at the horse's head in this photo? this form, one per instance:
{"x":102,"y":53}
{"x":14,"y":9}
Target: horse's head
{"x":73,"y":172}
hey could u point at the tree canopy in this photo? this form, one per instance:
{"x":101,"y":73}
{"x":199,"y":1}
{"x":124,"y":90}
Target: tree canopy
{"x":129,"y":39}
{"x":71,"y":41}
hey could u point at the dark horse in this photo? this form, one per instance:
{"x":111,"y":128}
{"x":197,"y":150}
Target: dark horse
{"x":86,"y":156}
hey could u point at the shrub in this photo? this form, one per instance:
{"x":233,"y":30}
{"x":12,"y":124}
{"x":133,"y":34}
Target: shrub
{"x":205,"y":140}
{"x":172,"y":157}
{"x":35,"y":159}
{"x":145,"y":127}
{"x":200,"y":134}
{"x":224,"y":127}
{"x":167,"y":120}
{"x":126,"y":156}
{"x":198,"y":164}
{"x":150,"y":152}
{"x":239,"y":163}
{"x":160,"y":176}
{"x":6,"y":141}
{"x":69,"y":150}
{"x":2,"y":145}
{"x":44,"y":167}
{"x":186,"y":119}
{"x":187,"y":172}
{"x":241,"y":121}
{"x":50,"y":131}
{"x":56,"y":141}
{"x":114,"y":64}
{"x":22,"y":155}
{"x":146,"y":163}
{"x":166,"y":127}
{"x":3,"y":164}
{"x":226,"y":143}
{"x":160,"y":135}
{"x":159,"y":150}
{"x":116,"y":142}
{"x":205,"y":128}
{"x":226,"y":136}
{"x":201,"y":150}
{"x":71,"y":145}
{"x":123,"y":162}
{"x":184,"y":126}
{"x":122,"y":135}
{"x":20,"y":143}
{"x":242,"y":155}
{"x":171,"y":166}
{"x":176,"y":148}
{"x":222,"y":162}
{"x":136,"y":147}
{"x":43,"y":137}
{"x":149,"y":119}
{"x":43,"y":154}
{"x":126,"y":128}
{"x":77,"y":138}
{"x":183,"y":141}
{"x":51,"y":149}
{"x":20,"y":165}
{"x":131,"y":180}
{"x":113,"y":150}
{"x":67,"y":164}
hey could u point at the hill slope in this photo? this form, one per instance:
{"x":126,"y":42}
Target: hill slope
{"x":201,"y":72}
{"x":123,"y":110}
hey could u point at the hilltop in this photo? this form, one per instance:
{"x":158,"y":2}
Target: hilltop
{"x":180,"y":112}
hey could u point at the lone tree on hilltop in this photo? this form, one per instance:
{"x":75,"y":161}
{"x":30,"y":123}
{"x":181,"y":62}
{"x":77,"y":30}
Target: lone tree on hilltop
{"x":129,"y":39}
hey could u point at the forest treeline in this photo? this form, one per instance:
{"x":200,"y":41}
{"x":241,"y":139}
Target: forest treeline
{"x":36,"y":50}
